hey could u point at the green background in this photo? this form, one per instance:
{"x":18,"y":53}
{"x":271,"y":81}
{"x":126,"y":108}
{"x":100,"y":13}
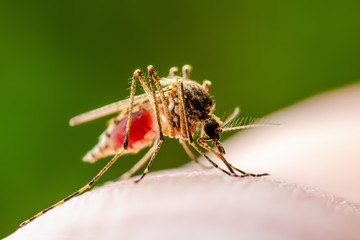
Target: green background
{"x":62,"y":58}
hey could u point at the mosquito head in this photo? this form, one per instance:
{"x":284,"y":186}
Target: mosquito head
{"x":212,"y":128}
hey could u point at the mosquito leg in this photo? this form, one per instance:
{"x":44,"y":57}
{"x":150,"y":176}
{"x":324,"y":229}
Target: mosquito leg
{"x":154,"y":78}
{"x":173,"y":72}
{"x":213,"y":163}
{"x":202,"y":131}
{"x":154,"y":101}
{"x":137,"y":74}
{"x":188,"y":152}
{"x":191,"y":155}
{"x":184,"y":126}
{"x":112,"y":161}
{"x":158,"y":145}
{"x":249,"y":174}
{"x":201,"y":142}
{"x":152,"y":98}
{"x":139,"y":164}
{"x":155,"y":81}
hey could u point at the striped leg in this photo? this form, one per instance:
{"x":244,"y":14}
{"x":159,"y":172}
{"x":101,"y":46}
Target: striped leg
{"x":112,"y":161}
{"x":212,"y":162}
{"x":137,"y":74}
{"x":183,"y":120}
{"x":203,"y":145}
{"x":249,"y":174}
{"x":191,"y":155}
{"x":185,"y":128}
{"x":140,"y":163}
{"x":201,"y":142}
{"x":155,"y":81}
{"x":158,"y":145}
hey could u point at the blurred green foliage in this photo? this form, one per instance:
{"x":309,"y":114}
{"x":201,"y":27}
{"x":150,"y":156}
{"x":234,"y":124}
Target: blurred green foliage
{"x":62,"y":58}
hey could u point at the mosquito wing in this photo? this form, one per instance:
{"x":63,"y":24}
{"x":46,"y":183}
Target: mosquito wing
{"x":112,"y":108}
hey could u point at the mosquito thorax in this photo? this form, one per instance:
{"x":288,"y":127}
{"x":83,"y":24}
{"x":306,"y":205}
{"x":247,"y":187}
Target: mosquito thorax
{"x":198,"y":105}
{"x":198,"y":102}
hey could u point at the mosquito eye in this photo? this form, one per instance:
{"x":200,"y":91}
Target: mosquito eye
{"x":218,"y":130}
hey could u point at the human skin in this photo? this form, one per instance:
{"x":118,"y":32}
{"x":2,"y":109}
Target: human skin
{"x":313,"y":191}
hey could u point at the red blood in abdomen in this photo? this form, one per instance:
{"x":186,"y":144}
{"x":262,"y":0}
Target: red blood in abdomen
{"x":142,"y":130}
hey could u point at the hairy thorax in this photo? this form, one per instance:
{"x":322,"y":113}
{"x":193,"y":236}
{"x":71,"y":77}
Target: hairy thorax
{"x":197,"y":103}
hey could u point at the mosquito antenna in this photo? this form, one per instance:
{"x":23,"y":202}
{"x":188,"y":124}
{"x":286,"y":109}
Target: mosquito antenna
{"x":245,"y":122}
{"x":249,"y":123}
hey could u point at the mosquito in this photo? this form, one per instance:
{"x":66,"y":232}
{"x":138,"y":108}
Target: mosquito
{"x":176,"y":107}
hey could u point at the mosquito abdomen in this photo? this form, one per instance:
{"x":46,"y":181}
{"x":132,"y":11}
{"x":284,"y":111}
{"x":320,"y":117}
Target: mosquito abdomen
{"x":143,"y":131}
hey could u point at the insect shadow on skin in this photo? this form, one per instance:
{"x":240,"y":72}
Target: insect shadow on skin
{"x":176,"y":107}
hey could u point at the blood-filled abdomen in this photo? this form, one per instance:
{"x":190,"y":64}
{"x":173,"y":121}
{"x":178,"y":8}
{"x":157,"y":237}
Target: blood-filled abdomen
{"x":143,"y":130}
